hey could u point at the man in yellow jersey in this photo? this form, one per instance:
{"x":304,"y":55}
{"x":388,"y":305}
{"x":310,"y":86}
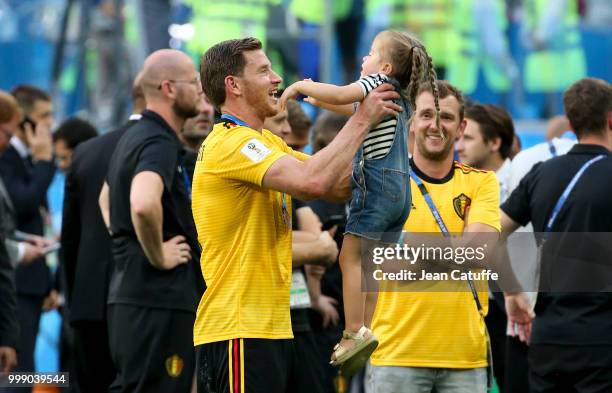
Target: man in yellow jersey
{"x":436,"y":341}
{"x":242,"y":188}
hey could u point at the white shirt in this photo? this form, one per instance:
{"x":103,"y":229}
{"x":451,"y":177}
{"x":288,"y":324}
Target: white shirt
{"x":503,"y":177}
{"x":21,"y":147}
{"x":526,"y":159}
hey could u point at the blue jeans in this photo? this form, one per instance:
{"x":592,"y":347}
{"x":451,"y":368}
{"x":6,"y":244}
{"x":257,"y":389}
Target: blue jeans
{"x":386,"y":379}
{"x":381,"y":199}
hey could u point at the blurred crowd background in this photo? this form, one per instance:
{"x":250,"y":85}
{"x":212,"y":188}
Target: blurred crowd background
{"x":520,"y":54}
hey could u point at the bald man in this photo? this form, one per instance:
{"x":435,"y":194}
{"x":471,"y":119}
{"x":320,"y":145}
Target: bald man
{"x":156,"y":283}
{"x":88,"y":261}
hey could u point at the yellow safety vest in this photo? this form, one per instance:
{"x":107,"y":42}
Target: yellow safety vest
{"x":216,"y":21}
{"x":557,"y":67}
{"x":429,"y":21}
{"x":466,"y":53}
{"x":312,"y":11}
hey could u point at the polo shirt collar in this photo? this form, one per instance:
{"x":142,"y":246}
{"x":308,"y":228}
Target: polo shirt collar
{"x":583,"y":148}
{"x":148,"y":114}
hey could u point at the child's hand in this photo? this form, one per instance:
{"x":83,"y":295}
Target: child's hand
{"x":313,"y":101}
{"x":289,"y":93}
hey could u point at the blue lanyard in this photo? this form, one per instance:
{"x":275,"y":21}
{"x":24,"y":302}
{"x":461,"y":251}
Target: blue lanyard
{"x":186,"y":180}
{"x":438,"y":217}
{"x":566,"y":193}
{"x":430,"y":203}
{"x":552,"y":148}
{"x":234,"y":120}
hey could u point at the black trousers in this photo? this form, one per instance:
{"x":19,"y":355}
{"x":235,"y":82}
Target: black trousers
{"x":151,"y":348}
{"x":517,"y":371}
{"x":570,"y":369}
{"x":29,"y":309}
{"x":308,"y":371}
{"x":93,"y":366}
{"x":496,"y":324}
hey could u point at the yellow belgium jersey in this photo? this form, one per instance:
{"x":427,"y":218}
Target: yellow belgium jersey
{"x":244,"y":234}
{"x":439,"y":329}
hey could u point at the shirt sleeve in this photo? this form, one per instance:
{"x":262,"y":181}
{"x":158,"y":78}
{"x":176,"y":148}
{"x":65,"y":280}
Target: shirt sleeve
{"x":298,"y":154}
{"x":158,"y":155}
{"x":245,"y":156}
{"x":484,"y":207}
{"x":517,"y":205}
{"x":371,"y":82}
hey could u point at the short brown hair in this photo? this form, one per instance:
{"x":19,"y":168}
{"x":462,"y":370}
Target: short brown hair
{"x":492,"y":125}
{"x":298,"y":119}
{"x":445,"y":89}
{"x":27,"y":95}
{"x":587,"y":104}
{"x":223,"y":59}
{"x":327,"y":126}
{"x":8,"y":107}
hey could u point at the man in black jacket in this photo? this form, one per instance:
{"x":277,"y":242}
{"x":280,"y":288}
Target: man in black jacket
{"x":27,"y":169}
{"x":9,"y":328}
{"x":88,"y":259}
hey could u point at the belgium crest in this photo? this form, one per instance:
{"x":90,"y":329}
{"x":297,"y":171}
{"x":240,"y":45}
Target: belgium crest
{"x":460,"y":203}
{"x":174,"y":366}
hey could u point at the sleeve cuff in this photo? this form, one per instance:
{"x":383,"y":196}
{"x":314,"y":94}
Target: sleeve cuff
{"x":21,"y":250}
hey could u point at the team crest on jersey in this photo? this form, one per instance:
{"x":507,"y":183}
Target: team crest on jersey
{"x":174,"y":366}
{"x":460,"y":203}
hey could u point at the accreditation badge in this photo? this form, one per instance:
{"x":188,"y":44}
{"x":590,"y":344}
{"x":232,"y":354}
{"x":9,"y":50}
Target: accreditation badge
{"x":300,"y":298}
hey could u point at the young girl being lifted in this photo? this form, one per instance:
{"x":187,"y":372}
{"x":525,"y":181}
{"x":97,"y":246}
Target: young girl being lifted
{"x":381,"y":199}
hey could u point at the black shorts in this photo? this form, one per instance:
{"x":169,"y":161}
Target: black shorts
{"x":151,"y":348}
{"x":245,"y":365}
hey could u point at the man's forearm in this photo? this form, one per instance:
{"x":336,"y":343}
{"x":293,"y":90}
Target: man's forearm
{"x":334,"y":159}
{"x":310,"y":253}
{"x":148,"y":227}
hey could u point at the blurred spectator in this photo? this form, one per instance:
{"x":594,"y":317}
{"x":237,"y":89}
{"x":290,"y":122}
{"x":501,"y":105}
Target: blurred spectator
{"x":428,"y":20}
{"x":197,"y":128}
{"x":501,"y":116}
{"x":478,"y":45}
{"x":556,"y":127}
{"x":300,"y":124}
{"x":598,"y":13}
{"x":329,"y":330}
{"x":35,"y":104}
{"x":517,"y":146}
{"x":486,"y":144}
{"x":570,"y":345}
{"x":326,"y":128}
{"x":110,"y":97}
{"x":220,"y":20}
{"x":27,"y":170}
{"x":346,"y":16}
{"x":68,"y":136}
{"x":555,"y":58}
{"x":88,"y":261}
{"x":9,"y":327}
